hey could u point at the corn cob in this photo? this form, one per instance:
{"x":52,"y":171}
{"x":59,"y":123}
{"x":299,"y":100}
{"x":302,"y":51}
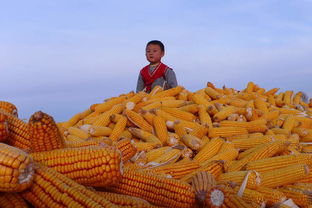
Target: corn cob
{"x":146,"y":146}
{"x":77,"y":132}
{"x":18,"y":132}
{"x":212,"y":93}
{"x":92,"y":166}
{"x":272,"y":163}
{"x":127,"y":148}
{"x":167,"y":93}
{"x":170,"y":156}
{"x":180,"y":114}
{"x":144,"y":135}
{"x":177,"y":170}
{"x":118,"y":129}
{"x":104,"y":118}
{"x":203,"y":182}
{"x":173,"y":139}
{"x":204,"y":116}
{"x":43,"y":133}
{"x":272,"y":196}
{"x":100,"y":131}
{"x":213,"y":167}
{"x":237,"y":102}
{"x":89,"y":142}
{"x":251,"y":196}
{"x":226,"y":131}
{"x":150,"y":106}
{"x":161,"y":130}
{"x":138,"y":120}
{"x":284,"y":176}
{"x":179,"y":129}
{"x":109,"y":104}
{"x":52,"y":189}
{"x":158,"y":190}
{"x":9,"y":108}
{"x":191,"y":141}
{"x":301,"y":198}
{"x":224,"y":113}
{"x":156,"y":153}
{"x":209,"y":150}
{"x":252,"y":126}
{"x":148,"y":116}
{"x":225,"y":156}
{"x":16,"y":169}
{"x":263,"y":151}
{"x":261,"y":105}
{"x":124,"y":200}
{"x":4,"y":131}
{"x":173,"y":103}
{"x":252,"y":178}
{"x":271,"y":91}
{"x":191,"y":108}
{"x":200,"y":132}
{"x":12,"y":200}
{"x":154,"y":91}
{"x":244,"y":144}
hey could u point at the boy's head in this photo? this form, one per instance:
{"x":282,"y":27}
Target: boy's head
{"x":155,"y":50}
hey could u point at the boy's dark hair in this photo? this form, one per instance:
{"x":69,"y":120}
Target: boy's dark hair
{"x":157,"y":42}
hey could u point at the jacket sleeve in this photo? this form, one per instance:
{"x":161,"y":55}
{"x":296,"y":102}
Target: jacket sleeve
{"x":171,"y":78}
{"x":140,"y":83}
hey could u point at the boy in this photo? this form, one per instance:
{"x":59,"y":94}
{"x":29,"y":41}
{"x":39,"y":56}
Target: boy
{"x":156,"y":73}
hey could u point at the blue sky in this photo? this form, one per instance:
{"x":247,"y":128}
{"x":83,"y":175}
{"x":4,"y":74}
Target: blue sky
{"x":62,"y":56}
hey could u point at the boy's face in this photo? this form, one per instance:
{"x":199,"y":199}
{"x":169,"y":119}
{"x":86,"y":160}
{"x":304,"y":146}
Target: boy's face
{"x":154,"y":53}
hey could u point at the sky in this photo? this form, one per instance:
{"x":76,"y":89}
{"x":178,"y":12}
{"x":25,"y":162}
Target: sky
{"x":60,"y":56}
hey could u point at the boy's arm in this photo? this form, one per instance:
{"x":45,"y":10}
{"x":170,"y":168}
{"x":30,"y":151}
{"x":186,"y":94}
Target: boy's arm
{"x":171,"y":78}
{"x":140,"y":84}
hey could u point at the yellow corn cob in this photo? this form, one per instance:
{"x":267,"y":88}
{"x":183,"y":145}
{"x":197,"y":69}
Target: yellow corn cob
{"x":213,"y":167}
{"x":252,"y":196}
{"x":200,"y":100}
{"x":158,"y":190}
{"x":18,"y":132}
{"x":16,"y":169}
{"x":134,"y":99}
{"x":272,"y":196}
{"x":148,"y":116}
{"x":297,"y":98}
{"x":90,"y":142}
{"x":191,"y":108}
{"x":261,"y":105}
{"x":100,"y":131}
{"x":183,"y":95}
{"x":262,"y":151}
{"x":150,"y":106}
{"x":209,"y":150}
{"x":204,"y":116}
{"x":138,"y":120}
{"x":226,"y":131}
{"x":212,"y":93}
{"x":123,"y":200}
{"x":170,"y":156}
{"x":191,"y":141}
{"x":258,"y":125}
{"x":224,"y":113}
{"x":52,"y":189}
{"x":73,"y":120}
{"x":243,"y":136}
{"x":179,"y":129}
{"x":284,"y":176}
{"x":200,"y":131}
{"x":144,"y":135}
{"x":225,"y":156}
{"x":109,"y":104}
{"x":227,"y":145}
{"x":167,"y":93}
{"x":155,"y":90}
{"x":289,"y":123}
{"x":146,"y":146}
{"x":155,"y":153}
{"x":179,"y":113}
{"x":244,"y":144}
{"x":304,"y":122}
{"x":73,"y":138}
{"x":12,"y":200}
{"x":203,"y":182}
{"x":104,"y":118}
{"x":287,"y":97}
{"x":9,"y":108}
{"x":43,"y":133}
{"x":300,"y":198}
{"x":271,"y":100}
{"x":238,"y":102}
{"x":92,"y":166}
{"x":271,"y":91}
{"x":77,"y":132}
{"x":177,"y":170}
{"x":302,"y":132}
{"x":127,"y":148}
{"x":118,"y":129}
{"x":250,"y":87}
{"x":272,"y":163}
{"x":160,"y":128}
{"x":271,"y":115}
{"x":173,"y":139}
{"x":173,"y":103}
{"x":253,"y":179}
{"x":4,"y":130}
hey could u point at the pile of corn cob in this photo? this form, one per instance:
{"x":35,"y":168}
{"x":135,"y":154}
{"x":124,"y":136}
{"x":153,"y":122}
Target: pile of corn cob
{"x":216,"y":147}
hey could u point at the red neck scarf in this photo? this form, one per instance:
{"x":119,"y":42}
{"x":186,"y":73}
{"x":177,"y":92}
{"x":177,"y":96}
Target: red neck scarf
{"x":150,"y":77}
